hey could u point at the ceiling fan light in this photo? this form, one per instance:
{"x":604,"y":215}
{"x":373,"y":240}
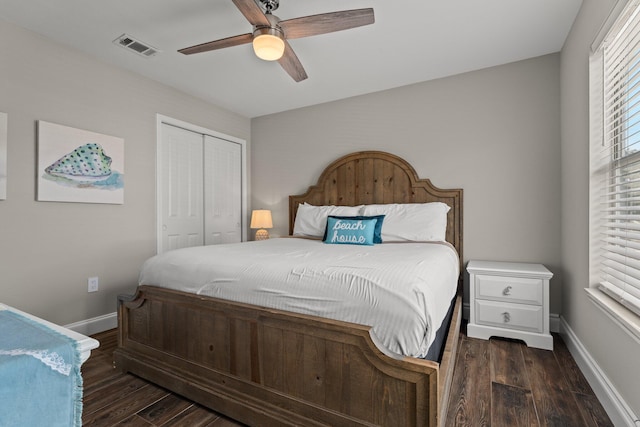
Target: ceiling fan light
{"x":268,"y":44}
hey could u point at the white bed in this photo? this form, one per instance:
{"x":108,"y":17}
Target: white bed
{"x":278,"y":367}
{"x":402,"y":289}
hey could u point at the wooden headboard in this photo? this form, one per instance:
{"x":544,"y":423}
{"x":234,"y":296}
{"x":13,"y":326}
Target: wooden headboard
{"x":376,"y":177}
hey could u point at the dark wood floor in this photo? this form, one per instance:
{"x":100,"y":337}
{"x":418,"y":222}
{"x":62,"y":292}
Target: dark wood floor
{"x":505,"y":383}
{"x":496,"y":383}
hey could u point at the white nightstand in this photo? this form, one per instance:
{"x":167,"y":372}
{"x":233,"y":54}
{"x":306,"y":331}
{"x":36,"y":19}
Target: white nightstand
{"x":510,"y":300}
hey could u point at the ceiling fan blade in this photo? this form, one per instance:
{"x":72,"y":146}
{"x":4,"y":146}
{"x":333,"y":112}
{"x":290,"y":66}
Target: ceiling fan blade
{"x":252,"y":12}
{"x":326,"y":22}
{"x":291,"y":64}
{"x":218,"y":44}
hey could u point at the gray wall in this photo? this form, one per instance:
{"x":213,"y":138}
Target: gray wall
{"x":48,"y":250}
{"x":494,"y":132}
{"x":611,"y":348}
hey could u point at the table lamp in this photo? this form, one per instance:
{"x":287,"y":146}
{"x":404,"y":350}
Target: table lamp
{"x":261,"y":219}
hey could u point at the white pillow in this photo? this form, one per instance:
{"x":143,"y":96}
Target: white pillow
{"x":312,"y":220}
{"x":411,"y":221}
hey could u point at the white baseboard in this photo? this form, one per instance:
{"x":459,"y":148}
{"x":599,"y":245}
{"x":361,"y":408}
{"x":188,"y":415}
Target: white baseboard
{"x":617,"y":409}
{"x":554,"y":322}
{"x":95,"y":325}
{"x":554,"y":319}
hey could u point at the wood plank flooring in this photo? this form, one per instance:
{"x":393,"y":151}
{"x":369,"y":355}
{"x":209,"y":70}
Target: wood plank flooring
{"x":496,"y":383}
{"x":505,"y":383}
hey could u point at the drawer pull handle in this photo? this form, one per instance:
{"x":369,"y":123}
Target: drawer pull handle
{"x":506,"y":291}
{"x":506,"y":317}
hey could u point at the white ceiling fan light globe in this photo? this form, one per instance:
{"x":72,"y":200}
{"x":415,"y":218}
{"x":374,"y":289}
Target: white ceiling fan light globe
{"x":268,"y":44}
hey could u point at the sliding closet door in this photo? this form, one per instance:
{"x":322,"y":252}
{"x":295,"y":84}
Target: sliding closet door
{"x":181,"y":184}
{"x":222,"y":191}
{"x":200,"y":189}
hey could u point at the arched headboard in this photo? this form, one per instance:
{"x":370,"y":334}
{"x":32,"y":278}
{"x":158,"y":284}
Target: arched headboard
{"x":376,"y":177}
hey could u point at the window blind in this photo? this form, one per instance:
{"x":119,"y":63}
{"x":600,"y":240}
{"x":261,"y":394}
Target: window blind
{"x":615,"y":159}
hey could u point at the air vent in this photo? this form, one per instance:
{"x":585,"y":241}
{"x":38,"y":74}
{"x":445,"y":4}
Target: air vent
{"x":136,"y":46}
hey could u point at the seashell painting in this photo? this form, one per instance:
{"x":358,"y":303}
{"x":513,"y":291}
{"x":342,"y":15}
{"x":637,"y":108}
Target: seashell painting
{"x":87,"y":163}
{"x":79,"y":166}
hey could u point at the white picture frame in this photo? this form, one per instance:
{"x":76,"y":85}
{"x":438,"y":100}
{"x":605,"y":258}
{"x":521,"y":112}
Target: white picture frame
{"x":3,"y":155}
{"x":80,"y":166}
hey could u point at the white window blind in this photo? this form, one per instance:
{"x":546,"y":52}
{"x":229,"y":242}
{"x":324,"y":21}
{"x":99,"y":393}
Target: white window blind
{"x":615,"y":159}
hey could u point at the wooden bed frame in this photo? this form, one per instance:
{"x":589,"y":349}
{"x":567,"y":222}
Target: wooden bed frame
{"x":266,"y":367}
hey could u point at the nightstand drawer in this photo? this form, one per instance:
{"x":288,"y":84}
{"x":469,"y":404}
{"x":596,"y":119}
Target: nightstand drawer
{"x":512,"y":316}
{"x":509,"y":289}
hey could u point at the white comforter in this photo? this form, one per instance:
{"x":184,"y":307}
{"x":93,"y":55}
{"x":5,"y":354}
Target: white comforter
{"x":402,"y":290}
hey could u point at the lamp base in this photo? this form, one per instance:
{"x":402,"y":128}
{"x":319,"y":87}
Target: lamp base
{"x":262,"y":234}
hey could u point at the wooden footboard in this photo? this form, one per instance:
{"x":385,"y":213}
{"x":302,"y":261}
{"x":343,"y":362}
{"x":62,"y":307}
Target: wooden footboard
{"x":267,"y":367}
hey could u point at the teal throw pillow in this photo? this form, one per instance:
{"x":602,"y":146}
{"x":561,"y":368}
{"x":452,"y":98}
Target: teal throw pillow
{"x":350,"y":231}
{"x":377,"y":232}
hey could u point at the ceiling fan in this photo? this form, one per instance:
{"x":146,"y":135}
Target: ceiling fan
{"x":270,"y":34}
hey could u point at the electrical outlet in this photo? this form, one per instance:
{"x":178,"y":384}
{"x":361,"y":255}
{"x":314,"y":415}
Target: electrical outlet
{"x":92,"y":284}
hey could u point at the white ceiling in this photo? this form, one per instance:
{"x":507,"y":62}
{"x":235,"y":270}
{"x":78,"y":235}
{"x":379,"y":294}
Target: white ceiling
{"x":410,"y":42}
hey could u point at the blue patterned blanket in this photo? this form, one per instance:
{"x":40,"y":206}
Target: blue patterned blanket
{"x":40,"y":378}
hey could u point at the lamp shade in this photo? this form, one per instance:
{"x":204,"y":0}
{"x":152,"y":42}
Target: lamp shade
{"x":268,"y":44}
{"x":261,"y":218}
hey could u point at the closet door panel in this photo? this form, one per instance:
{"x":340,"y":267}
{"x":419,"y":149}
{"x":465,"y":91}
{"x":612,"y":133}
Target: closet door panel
{"x":181,"y":188}
{"x":222,"y":191}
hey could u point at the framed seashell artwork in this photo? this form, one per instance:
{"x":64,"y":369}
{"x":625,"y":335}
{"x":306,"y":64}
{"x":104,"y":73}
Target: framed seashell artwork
{"x":79,"y":166}
{"x":3,"y":156}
